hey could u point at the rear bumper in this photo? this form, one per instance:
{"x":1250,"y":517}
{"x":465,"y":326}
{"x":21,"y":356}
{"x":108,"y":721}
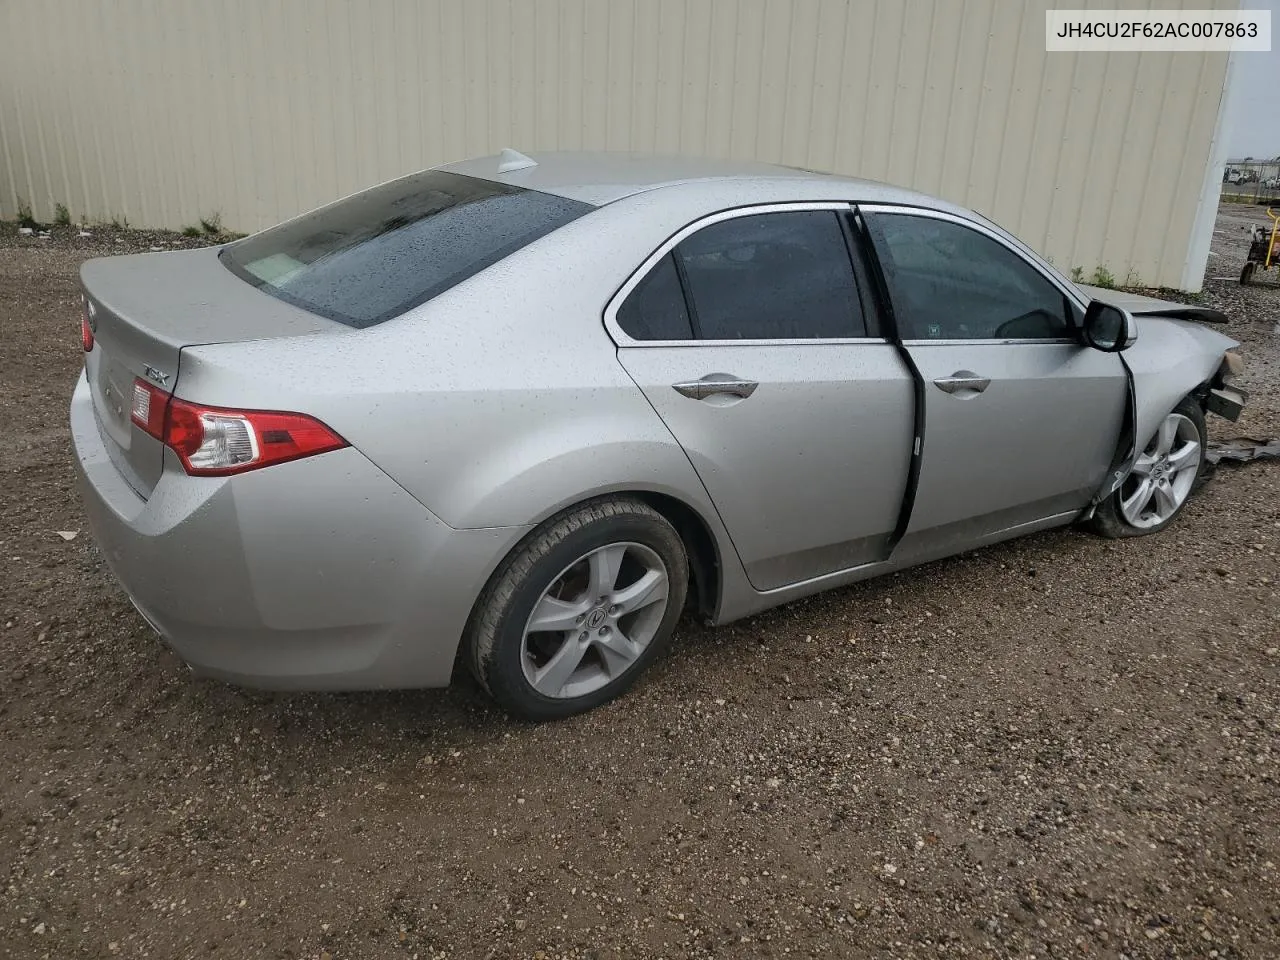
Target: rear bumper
{"x":320,"y":574}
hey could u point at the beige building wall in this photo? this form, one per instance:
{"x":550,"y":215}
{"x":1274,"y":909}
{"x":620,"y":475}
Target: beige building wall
{"x":165,"y":111}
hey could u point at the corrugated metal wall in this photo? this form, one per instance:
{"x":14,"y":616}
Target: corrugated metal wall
{"x":164,"y":111}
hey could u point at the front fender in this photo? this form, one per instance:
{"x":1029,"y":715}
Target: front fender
{"x":1170,"y":359}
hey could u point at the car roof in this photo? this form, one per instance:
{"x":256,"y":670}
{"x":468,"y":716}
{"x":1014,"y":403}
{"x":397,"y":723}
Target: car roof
{"x":600,"y":178}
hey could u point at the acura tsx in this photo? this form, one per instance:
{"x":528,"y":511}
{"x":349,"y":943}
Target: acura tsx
{"x":521,"y":412}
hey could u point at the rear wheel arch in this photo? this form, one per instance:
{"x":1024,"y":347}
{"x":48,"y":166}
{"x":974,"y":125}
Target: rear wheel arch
{"x":496,"y":642}
{"x":700,"y":545}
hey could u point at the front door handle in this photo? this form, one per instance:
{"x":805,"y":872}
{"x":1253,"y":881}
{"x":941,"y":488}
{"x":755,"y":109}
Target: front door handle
{"x":962,"y":380}
{"x":716,"y":384}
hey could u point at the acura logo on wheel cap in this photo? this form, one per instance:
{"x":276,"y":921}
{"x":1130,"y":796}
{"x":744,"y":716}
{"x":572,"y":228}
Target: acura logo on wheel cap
{"x":596,"y":618}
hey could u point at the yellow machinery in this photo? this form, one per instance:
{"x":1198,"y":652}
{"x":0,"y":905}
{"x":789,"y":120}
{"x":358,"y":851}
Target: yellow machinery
{"x":1264,"y":249}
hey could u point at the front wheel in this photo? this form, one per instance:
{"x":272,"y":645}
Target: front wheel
{"x":579,"y":609}
{"x":1162,"y":479}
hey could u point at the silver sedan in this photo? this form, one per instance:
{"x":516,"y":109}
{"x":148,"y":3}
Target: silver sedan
{"x":523,"y":412}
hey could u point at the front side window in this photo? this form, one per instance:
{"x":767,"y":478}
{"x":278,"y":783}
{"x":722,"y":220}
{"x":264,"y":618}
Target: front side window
{"x":950,"y":282}
{"x":376,"y":254}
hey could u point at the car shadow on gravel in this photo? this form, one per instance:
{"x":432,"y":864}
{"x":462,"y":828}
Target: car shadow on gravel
{"x":440,"y":716}
{"x":878,"y":607}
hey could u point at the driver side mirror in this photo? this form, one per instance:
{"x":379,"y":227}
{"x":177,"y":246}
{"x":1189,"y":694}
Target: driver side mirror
{"x":1108,"y":328}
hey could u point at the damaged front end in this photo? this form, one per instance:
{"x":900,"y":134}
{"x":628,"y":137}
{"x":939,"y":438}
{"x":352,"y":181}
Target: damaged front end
{"x":1174,"y":357}
{"x":1221,"y":396}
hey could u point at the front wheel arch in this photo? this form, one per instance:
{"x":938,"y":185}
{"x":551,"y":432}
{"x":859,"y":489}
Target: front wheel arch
{"x":1108,"y":517}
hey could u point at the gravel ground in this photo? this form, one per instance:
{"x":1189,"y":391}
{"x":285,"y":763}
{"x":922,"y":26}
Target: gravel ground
{"x":1058,"y":747}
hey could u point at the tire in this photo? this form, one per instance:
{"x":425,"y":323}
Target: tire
{"x":561,"y":572}
{"x":1246,"y":273}
{"x":1112,"y":519}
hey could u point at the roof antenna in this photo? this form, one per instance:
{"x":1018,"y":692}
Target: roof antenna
{"x":509,"y":160}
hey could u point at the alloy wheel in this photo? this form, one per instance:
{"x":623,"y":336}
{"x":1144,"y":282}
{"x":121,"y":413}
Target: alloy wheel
{"x":1163,"y":474}
{"x":594,"y":621}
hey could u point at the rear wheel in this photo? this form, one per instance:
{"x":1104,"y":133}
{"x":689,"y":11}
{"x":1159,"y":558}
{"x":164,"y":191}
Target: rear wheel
{"x":580,"y":608}
{"x":1162,"y":479}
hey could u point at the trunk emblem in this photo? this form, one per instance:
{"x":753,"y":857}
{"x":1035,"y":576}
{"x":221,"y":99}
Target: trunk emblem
{"x":154,"y":375}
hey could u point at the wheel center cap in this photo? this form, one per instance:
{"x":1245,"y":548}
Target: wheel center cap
{"x":596,"y":617}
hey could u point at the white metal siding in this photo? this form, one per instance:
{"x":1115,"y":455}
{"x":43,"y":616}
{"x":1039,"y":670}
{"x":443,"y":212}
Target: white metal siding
{"x":164,"y":111}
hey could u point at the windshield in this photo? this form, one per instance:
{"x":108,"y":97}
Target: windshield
{"x":374,"y":255}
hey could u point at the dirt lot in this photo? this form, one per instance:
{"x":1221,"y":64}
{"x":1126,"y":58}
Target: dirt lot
{"x":1059,"y":747}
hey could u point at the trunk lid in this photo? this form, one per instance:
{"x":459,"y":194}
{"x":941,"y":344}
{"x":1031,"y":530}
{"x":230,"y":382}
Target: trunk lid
{"x":143,"y":310}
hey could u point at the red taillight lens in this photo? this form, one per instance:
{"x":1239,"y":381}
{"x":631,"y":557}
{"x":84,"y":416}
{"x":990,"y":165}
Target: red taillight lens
{"x":215,"y":442}
{"x":86,"y":329}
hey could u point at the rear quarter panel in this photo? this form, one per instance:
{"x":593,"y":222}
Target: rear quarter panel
{"x":495,"y":404}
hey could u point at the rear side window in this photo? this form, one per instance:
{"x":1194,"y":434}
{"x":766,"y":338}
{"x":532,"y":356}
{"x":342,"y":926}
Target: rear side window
{"x":376,"y":254}
{"x":655,"y":309}
{"x":772,"y":276}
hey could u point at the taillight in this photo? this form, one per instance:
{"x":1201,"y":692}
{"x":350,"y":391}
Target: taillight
{"x":147,"y":408}
{"x":215,"y":442}
{"x":86,"y":328}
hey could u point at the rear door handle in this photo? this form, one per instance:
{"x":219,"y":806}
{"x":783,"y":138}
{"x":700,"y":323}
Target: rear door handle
{"x":714,"y":384}
{"x":962,"y":380}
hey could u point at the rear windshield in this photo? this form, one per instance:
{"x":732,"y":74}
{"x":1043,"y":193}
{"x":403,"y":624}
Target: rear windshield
{"x":374,"y":255}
